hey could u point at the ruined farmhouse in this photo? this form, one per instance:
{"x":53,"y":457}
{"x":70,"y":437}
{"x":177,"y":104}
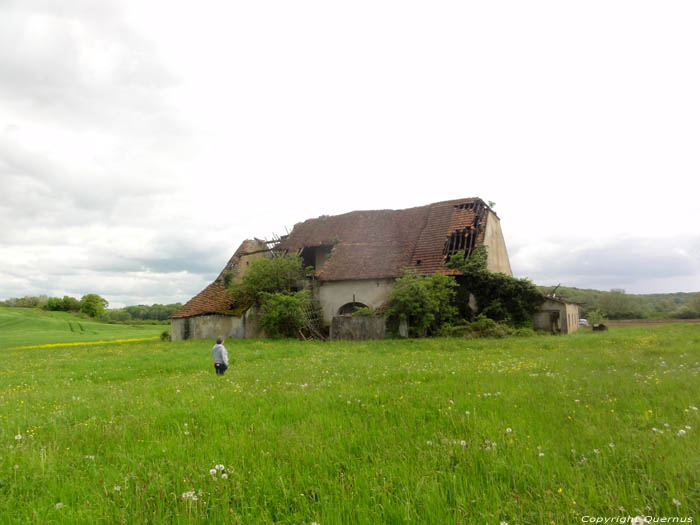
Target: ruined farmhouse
{"x":355,"y":257}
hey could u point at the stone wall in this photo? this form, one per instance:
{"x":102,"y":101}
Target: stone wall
{"x":215,"y":325}
{"x":358,"y":328}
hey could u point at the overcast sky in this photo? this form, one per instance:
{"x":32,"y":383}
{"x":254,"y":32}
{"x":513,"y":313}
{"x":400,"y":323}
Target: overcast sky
{"x":141,"y":142}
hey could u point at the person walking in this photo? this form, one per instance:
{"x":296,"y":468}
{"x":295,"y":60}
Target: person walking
{"x":220,"y":355}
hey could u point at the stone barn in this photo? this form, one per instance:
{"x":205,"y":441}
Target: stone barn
{"x":356,"y":258}
{"x":557,"y":316}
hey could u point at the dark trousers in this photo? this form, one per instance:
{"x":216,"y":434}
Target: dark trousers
{"x":220,"y":368}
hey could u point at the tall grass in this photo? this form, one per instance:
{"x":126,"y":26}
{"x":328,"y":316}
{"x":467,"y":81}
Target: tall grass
{"x":521,"y":430}
{"x":32,"y":326}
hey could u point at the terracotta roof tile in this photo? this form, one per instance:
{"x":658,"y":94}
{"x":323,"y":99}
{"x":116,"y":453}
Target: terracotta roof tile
{"x":382,"y":243}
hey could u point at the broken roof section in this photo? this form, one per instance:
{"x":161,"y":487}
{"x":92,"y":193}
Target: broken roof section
{"x":383,"y":243}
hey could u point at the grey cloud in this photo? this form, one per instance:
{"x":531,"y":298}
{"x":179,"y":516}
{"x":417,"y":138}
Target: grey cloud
{"x":621,"y":263}
{"x":74,"y":60}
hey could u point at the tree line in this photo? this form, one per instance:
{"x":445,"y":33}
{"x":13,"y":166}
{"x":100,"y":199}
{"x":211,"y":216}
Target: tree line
{"x":94,"y":306}
{"x":617,"y":304}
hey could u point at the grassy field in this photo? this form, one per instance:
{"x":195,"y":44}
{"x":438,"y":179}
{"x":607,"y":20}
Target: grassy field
{"x":32,"y":326}
{"x":533,"y":430}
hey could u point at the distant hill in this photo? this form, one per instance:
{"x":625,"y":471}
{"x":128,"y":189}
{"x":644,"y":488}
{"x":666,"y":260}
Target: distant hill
{"x":617,"y":304}
{"x":34,"y":326}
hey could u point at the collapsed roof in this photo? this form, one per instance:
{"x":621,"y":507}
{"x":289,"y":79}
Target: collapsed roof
{"x":383,"y":243}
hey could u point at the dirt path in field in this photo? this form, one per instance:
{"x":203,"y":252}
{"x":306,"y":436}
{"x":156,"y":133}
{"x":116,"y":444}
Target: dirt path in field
{"x":639,"y":322}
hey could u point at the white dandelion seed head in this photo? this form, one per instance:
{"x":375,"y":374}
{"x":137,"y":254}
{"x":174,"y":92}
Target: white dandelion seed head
{"x":676,"y":502}
{"x":463,"y":443}
{"x":467,"y":412}
{"x":688,"y":427}
{"x":596,"y":451}
{"x":541,"y":454}
{"x":59,"y":505}
{"x":117,"y":488}
{"x":219,"y":467}
{"x":212,"y":472}
{"x":611,"y":444}
{"x":224,"y":476}
{"x":18,"y":437}
{"x":509,"y":430}
{"x":681,"y":432}
{"x":429,"y":443}
{"x":639,"y":520}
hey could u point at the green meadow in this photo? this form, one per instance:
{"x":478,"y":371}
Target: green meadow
{"x":526,"y":430}
{"x":32,"y":326}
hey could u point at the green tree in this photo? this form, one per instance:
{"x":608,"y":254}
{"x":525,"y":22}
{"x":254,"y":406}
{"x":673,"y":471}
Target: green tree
{"x":276,"y":275}
{"x":424,"y":302}
{"x":281,"y":314}
{"x":93,"y":305}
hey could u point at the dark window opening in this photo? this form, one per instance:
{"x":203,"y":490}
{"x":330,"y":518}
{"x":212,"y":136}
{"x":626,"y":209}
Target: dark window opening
{"x":418,"y":262}
{"x":315,"y":256}
{"x":351,"y":308}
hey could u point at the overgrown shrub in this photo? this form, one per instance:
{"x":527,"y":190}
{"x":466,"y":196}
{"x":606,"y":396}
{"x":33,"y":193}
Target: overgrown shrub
{"x":424,"y":302}
{"x":282,"y":314}
{"x":165,"y":335}
{"x":499,"y":296}
{"x":483,"y":327}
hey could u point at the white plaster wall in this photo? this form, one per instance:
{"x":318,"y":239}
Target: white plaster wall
{"x":493,"y":239}
{"x":334,"y":294}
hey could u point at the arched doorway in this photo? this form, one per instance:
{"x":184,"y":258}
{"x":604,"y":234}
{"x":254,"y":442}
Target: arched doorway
{"x":351,"y":308}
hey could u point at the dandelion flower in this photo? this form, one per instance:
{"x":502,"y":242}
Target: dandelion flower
{"x":429,"y":443}
{"x":541,"y":454}
{"x":467,"y":412}
{"x":676,"y":502}
{"x":212,"y":472}
{"x":688,"y":427}
{"x":611,"y":444}
{"x":219,"y":467}
{"x":59,"y":505}
{"x":18,"y":437}
{"x":463,"y":443}
{"x":681,"y":432}
{"x":596,"y":451}
{"x":117,"y":488}
{"x":224,"y":476}
{"x":509,"y":430}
